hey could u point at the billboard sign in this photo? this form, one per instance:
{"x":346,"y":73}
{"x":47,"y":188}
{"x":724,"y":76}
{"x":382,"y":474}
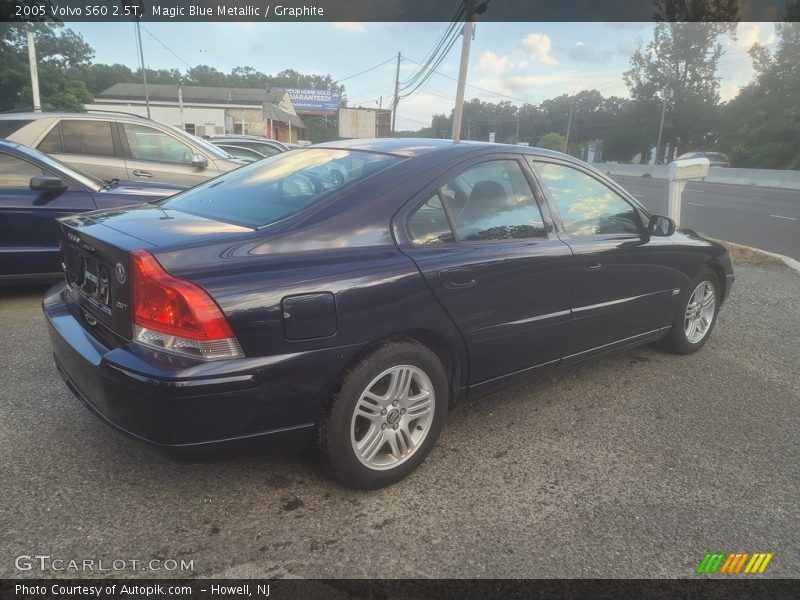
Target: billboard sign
{"x":315,"y":102}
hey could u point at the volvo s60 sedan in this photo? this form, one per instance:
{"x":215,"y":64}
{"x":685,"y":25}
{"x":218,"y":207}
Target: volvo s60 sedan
{"x":266,"y":307}
{"x":35,"y":189}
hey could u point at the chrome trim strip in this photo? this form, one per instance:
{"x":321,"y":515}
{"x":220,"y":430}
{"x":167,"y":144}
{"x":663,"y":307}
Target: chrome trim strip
{"x":613,"y":302}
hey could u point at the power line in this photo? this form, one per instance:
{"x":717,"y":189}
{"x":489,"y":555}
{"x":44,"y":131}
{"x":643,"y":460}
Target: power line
{"x":365,"y":70}
{"x":167,"y":48}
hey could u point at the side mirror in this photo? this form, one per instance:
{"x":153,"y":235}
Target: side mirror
{"x":661,"y":226}
{"x":44,"y":183}
{"x":199,"y":161}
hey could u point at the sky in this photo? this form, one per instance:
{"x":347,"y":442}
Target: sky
{"x":518,"y":62}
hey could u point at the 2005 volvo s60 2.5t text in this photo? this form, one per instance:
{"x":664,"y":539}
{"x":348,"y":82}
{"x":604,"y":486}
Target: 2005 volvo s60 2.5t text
{"x":276,"y":307}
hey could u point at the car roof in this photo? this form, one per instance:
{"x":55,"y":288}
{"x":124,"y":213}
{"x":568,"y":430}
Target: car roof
{"x":412,"y":147}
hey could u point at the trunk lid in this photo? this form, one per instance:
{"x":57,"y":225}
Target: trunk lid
{"x":96,"y":251}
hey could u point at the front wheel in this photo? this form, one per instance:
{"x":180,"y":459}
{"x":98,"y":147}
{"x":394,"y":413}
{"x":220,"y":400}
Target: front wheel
{"x":696,"y":316}
{"x":385,"y":416}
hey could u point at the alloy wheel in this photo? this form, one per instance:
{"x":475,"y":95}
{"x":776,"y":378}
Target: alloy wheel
{"x":700,"y":312}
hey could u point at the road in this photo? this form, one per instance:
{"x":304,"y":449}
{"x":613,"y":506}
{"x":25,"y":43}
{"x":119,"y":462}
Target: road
{"x":764,"y":218}
{"x":629,"y":465}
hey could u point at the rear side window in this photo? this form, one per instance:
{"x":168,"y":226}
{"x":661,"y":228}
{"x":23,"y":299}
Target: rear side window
{"x":51,"y":144}
{"x":429,"y":224}
{"x":15,"y":172}
{"x":89,"y":138}
{"x":9,"y":126}
{"x":272,"y":189}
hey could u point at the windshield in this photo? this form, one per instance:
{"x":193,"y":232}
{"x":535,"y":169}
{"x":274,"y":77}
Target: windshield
{"x":207,"y":146}
{"x":84,"y":179}
{"x":274,"y":188}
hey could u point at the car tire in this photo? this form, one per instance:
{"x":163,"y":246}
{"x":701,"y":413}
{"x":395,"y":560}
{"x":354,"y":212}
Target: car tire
{"x":682,"y":338}
{"x":384,"y":416}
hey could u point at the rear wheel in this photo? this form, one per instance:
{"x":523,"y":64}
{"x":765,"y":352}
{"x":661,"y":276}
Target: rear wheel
{"x":385,"y":416}
{"x":696,"y":316}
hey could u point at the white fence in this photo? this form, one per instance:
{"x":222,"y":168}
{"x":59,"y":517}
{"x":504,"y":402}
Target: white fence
{"x":756,"y":177}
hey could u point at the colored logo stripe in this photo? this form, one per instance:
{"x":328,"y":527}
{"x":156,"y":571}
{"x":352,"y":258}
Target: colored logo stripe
{"x":733,"y":563}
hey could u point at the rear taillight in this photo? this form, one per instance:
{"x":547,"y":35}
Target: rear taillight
{"x":177,"y":316}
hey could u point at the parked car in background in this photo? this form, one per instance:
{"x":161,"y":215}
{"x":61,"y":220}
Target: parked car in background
{"x":35,"y":190}
{"x":261,"y":145}
{"x":263,"y":308}
{"x":241,"y":153}
{"x":119,"y":146}
{"x":715,"y":159}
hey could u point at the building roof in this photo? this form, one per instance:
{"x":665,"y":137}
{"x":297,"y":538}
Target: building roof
{"x":268,"y":99}
{"x":193,"y":93}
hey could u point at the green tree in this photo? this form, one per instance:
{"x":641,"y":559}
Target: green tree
{"x":552,"y":141}
{"x":679,"y":67}
{"x":762,"y":124}
{"x":58,"y":52}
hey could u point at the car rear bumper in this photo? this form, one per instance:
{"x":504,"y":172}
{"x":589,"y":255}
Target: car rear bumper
{"x":267,"y":403}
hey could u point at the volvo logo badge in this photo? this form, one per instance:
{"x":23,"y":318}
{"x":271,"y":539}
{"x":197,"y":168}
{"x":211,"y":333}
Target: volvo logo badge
{"x":393,"y":416}
{"x":119,"y":270}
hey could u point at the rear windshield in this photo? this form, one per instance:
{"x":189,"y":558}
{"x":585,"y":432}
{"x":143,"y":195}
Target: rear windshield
{"x":277,"y":187}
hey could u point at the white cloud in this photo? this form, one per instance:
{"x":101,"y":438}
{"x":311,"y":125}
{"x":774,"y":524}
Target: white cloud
{"x":728,"y":90}
{"x":350,"y":26}
{"x":495,"y":64}
{"x":748,"y":34}
{"x":539,"y":46}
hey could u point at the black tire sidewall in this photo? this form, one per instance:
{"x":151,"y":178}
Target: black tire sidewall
{"x":335,"y":445}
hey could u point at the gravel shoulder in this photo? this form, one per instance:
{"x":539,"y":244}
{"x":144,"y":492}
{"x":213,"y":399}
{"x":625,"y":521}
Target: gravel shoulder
{"x":631,"y":465}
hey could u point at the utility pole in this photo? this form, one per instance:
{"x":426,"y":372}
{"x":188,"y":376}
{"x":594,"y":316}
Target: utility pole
{"x":37,"y":105}
{"x":516,"y":139}
{"x":141,"y":62}
{"x":462,"y":70}
{"x":569,"y":124}
{"x":660,"y":158}
{"x":396,"y":93}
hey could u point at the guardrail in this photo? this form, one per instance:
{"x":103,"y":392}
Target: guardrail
{"x":785,"y":179}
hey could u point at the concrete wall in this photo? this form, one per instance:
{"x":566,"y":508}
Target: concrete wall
{"x":757,"y":177}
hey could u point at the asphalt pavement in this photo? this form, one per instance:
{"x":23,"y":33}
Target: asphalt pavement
{"x":630,"y":465}
{"x":765,"y":218}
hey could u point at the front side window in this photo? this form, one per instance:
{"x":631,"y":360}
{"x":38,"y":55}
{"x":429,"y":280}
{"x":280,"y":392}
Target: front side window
{"x":429,"y":225}
{"x":15,"y":172}
{"x":493,"y":201}
{"x":92,"y":138}
{"x":267,"y":191}
{"x":147,"y":143}
{"x":587,"y":206}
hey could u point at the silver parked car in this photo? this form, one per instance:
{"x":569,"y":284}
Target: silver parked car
{"x":113,"y":145}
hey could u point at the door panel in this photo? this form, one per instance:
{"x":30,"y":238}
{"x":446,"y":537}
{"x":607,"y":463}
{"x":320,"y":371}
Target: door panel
{"x":623,"y":278}
{"x":28,"y":239}
{"x":502,"y":277}
{"x":87,"y":145}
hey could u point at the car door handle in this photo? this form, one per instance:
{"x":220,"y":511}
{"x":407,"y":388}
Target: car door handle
{"x":593,"y":265}
{"x":146,"y":174}
{"x":458,"y":278}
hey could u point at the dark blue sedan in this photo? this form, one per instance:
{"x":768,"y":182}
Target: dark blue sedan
{"x":36,"y":189}
{"x":273,"y":307}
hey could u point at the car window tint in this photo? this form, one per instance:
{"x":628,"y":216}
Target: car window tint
{"x":493,"y":201}
{"x":15,"y":172}
{"x":147,"y":143}
{"x":429,"y":224}
{"x":265,"y":149}
{"x":87,"y":137}
{"x":51,"y":144}
{"x":9,"y":126}
{"x":587,"y":206}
